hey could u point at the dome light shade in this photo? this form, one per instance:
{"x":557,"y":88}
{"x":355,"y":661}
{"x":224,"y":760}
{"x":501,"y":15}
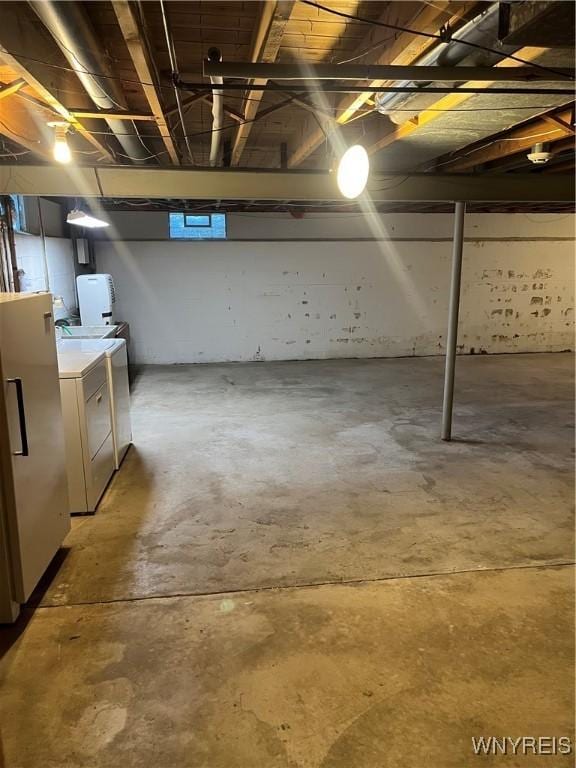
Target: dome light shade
{"x":353,"y":171}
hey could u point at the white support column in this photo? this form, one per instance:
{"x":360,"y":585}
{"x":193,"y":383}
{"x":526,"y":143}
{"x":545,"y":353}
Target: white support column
{"x":453,"y":310}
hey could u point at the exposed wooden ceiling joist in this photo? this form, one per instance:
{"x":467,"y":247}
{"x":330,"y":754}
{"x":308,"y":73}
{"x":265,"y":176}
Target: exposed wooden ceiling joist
{"x":79,"y":113}
{"x":266,"y":42}
{"x":404,"y":50}
{"x":445,"y":104}
{"x":8,"y":89}
{"x":17,"y":35}
{"x":145,"y":70}
{"x":518,"y":139}
{"x":17,"y":124}
{"x":54,"y":103}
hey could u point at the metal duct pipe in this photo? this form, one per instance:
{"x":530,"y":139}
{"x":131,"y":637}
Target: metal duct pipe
{"x":70,"y":27}
{"x":217,"y":109}
{"x":481,"y":30}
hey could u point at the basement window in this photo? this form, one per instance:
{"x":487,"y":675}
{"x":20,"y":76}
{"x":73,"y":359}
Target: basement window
{"x":205,"y":226}
{"x":19,"y":214}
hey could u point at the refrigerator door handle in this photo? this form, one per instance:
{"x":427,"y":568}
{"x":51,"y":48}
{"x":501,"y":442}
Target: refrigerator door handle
{"x":21,"y":417}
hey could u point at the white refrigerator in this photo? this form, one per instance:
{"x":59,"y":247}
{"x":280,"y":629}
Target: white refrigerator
{"x":34,"y":515}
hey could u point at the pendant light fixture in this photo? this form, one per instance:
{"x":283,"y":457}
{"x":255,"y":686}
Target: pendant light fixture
{"x":61,"y":149}
{"x":81,"y":218}
{"x":353,"y":171}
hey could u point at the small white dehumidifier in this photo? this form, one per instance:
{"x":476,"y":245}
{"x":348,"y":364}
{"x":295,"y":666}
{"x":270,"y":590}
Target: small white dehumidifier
{"x":96,"y":299}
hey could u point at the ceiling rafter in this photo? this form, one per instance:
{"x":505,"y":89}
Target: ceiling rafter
{"x":8,"y":89}
{"x":566,"y":126}
{"x":267,"y":38}
{"x":518,"y":139}
{"x":144,"y":67}
{"x":207,"y":98}
{"x":17,"y":125}
{"x":404,"y":49}
{"x":112,"y":115}
{"x":51,"y":101}
{"x":446,"y":103}
{"x":520,"y":161}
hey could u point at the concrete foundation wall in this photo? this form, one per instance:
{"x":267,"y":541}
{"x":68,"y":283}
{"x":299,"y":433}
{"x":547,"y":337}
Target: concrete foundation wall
{"x":276,"y":299}
{"x":60,"y":258}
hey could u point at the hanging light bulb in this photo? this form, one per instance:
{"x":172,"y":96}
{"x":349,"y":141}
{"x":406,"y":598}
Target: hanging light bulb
{"x":353,"y":170}
{"x":61,"y":149}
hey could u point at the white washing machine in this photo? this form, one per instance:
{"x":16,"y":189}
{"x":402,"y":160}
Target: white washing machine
{"x":118,"y":387}
{"x":117,"y":366}
{"x":87,"y":422}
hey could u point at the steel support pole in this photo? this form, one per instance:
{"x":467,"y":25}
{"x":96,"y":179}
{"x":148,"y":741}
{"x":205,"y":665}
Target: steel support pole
{"x":453,"y":310}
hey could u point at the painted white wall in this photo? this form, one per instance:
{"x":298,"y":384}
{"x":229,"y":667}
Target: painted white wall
{"x":269,"y":299}
{"x":60,"y":258}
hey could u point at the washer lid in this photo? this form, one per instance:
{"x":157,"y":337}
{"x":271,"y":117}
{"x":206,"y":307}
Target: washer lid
{"x":109,"y":346}
{"x":75,"y":361}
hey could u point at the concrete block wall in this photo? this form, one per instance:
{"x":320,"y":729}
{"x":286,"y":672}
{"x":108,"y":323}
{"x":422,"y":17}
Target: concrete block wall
{"x":59,"y":253}
{"x":60,"y":258}
{"x":341,"y":286}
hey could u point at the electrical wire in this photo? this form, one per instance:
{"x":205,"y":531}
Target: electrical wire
{"x":16,"y":154}
{"x":457,"y":157}
{"x":232,"y":96}
{"x":367,"y":50}
{"x":434,"y":36}
{"x":255,"y":119}
{"x":20,"y":135}
{"x":208,"y":88}
{"x":151,"y":156}
{"x":174,"y":67}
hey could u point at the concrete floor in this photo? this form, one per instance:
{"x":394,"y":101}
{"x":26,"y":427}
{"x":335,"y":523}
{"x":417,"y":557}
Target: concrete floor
{"x":291,"y":570}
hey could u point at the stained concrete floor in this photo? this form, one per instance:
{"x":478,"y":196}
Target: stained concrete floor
{"x":291,"y":570}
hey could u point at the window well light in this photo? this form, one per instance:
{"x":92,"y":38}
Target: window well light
{"x":353,"y":170}
{"x":61,"y":149}
{"x":82,"y":219}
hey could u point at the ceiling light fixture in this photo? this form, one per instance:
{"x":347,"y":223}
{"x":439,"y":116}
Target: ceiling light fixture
{"x":82,"y":219}
{"x":539,"y":154}
{"x":353,"y":171}
{"x":61,"y":150}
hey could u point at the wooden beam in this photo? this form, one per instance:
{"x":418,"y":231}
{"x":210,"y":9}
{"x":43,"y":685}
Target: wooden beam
{"x":559,"y":122}
{"x":112,"y":115}
{"x":445,"y":104}
{"x":19,"y":122}
{"x":405,"y":49}
{"x":265,"y":44}
{"x":8,"y":89}
{"x":145,"y":70}
{"x":230,"y":111}
{"x":520,"y":159}
{"x":19,"y":33}
{"x":51,"y":100}
{"x":518,"y":139}
{"x":206,"y":97}
{"x":171,"y":111}
{"x":302,"y":101}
